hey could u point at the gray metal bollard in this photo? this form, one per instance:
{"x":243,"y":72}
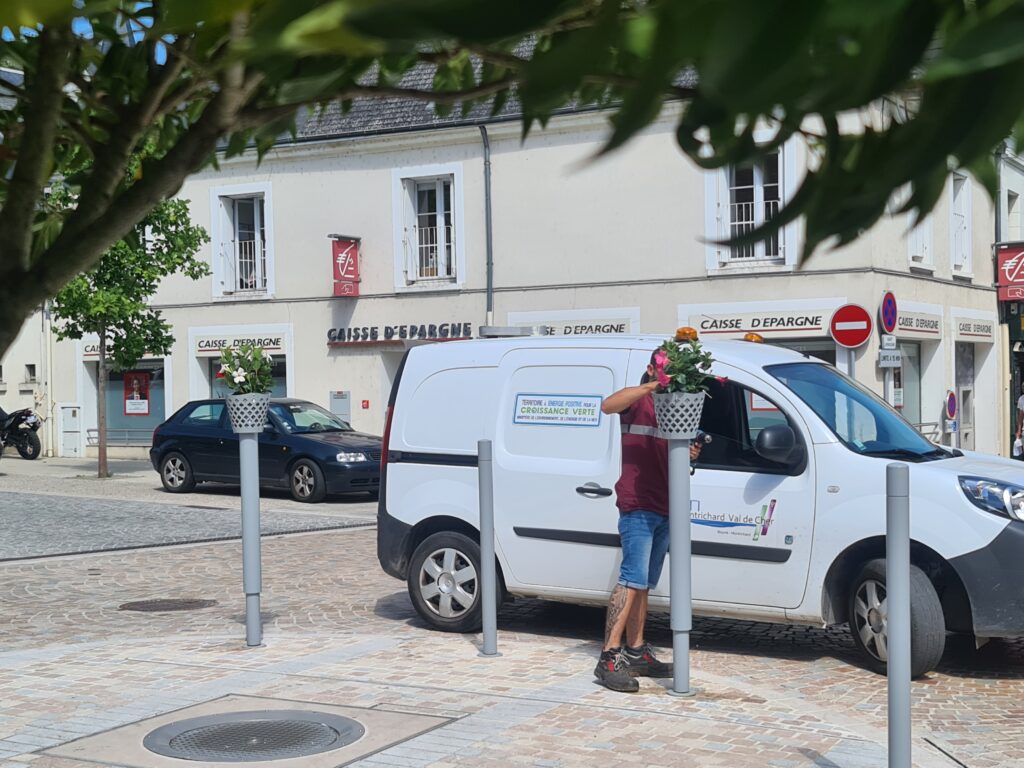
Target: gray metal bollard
{"x":897,"y":591}
{"x":252,"y":577}
{"x":488,"y":583}
{"x":680,"y":588}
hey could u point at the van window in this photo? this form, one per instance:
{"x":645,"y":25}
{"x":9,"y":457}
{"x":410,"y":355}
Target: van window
{"x":864,"y":422}
{"x":733,"y":417}
{"x":441,"y":416}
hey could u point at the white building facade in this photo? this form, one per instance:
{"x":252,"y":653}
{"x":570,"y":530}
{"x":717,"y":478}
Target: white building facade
{"x":398,"y":222}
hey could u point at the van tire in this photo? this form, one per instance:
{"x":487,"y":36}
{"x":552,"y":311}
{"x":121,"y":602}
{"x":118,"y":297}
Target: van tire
{"x":867,"y":625}
{"x":443,"y":568}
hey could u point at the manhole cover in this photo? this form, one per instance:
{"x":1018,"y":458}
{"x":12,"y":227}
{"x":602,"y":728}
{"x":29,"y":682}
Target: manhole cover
{"x":166,"y":604}
{"x":236,"y":737}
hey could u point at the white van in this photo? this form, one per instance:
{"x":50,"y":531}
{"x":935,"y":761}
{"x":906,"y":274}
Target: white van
{"x":797,"y":538}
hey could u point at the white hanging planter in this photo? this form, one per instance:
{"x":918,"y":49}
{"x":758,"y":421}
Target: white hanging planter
{"x":678,"y":414}
{"x":248,"y":412}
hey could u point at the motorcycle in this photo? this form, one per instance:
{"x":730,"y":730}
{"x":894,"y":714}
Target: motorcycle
{"x":18,"y":430}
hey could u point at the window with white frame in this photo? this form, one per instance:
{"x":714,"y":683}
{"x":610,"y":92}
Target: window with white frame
{"x":960,"y":225}
{"x":243,"y":263}
{"x":754,"y":197}
{"x":430,"y":229}
{"x":742,"y":198}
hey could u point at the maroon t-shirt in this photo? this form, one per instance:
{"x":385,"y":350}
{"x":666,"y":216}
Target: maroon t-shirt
{"x":644,"y":480}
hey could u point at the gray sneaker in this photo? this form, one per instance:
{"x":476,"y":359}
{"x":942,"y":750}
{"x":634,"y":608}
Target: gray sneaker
{"x":611,"y":672}
{"x":641,"y":662}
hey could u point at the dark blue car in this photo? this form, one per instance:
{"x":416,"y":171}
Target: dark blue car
{"x":303,"y":448}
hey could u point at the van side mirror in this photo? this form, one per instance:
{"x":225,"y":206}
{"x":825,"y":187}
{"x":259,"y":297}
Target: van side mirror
{"x":776,"y":443}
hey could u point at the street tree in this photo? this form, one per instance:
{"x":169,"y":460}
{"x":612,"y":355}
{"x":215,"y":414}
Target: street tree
{"x":111,"y":300}
{"x":102,"y":77}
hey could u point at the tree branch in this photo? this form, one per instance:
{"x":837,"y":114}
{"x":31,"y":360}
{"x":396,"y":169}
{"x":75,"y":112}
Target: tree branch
{"x":79,"y":246}
{"x":35,"y":157}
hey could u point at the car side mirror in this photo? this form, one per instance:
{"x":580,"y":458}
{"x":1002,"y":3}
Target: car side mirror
{"x":269,"y":429}
{"x":776,"y":443}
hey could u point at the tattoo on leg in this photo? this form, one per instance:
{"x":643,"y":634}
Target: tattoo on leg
{"x":616,"y":607}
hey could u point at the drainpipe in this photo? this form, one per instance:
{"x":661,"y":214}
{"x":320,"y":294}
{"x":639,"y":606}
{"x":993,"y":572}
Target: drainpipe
{"x":1007,"y":416}
{"x":489,"y":230}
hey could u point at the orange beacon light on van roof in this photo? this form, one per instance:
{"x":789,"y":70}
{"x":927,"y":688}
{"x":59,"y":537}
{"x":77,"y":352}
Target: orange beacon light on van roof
{"x":755,"y":337}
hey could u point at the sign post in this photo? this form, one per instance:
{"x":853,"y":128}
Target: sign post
{"x":897,"y":587}
{"x":888,"y":357}
{"x":680,"y":585}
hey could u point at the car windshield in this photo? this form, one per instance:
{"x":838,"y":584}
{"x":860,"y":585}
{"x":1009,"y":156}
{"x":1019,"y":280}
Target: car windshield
{"x":303,"y":418}
{"x":864,"y":422}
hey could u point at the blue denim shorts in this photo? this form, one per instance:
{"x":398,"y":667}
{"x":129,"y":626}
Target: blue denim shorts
{"x":644,"y":536}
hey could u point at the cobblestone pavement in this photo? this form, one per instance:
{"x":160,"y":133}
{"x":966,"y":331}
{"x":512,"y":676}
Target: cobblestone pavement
{"x":338,"y":631}
{"x":40,"y":526}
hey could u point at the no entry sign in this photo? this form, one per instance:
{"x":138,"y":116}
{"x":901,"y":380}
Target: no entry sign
{"x":850,"y":326}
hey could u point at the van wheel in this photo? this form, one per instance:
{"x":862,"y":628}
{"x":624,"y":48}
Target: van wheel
{"x":444,"y":582}
{"x":869,"y":620}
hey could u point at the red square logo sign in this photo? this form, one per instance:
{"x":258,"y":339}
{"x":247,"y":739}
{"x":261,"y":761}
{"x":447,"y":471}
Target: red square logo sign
{"x":366,"y":405}
{"x":345,"y":254}
{"x":1011,"y":271}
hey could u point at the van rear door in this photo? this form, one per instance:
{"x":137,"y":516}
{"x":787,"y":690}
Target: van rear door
{"x":556,"y":462}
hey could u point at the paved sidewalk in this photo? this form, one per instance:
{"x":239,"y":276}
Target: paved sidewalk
{"x":138,"y":481}
{"x":339,"y":632}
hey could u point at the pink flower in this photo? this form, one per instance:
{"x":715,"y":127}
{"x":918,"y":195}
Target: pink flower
{"x":660,"y":361}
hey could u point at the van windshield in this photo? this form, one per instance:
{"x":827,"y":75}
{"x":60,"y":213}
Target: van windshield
{"x":864,"y":422}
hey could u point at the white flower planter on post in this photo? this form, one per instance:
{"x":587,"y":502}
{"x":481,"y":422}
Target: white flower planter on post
{"x":248,"y":414}
{"x":678,"y":415}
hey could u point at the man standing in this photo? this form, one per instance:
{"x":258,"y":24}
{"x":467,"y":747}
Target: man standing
{"x":642,"y":499}
{"x":1020,"y":420}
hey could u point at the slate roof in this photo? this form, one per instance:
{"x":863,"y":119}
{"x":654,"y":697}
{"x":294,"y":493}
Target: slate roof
{"x":368,"y":117}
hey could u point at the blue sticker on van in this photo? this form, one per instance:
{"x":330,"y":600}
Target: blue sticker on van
{"x":558,"y":410}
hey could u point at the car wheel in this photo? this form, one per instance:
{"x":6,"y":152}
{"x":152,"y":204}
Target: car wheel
{"x":176,"y":473}
{"x":306,"y":480}
{"x":443,"y":580}
{"x":868,"y":612}
{"x":32,"y":447}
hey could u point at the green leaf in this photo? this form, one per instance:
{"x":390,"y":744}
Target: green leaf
{"x":16,"y":14}
{"x":186,"y":14}
{"x":474,"y":21}
{"x":993,"y":37}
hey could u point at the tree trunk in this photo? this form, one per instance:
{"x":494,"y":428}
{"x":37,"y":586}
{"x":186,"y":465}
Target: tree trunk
{"x":101,"y":406}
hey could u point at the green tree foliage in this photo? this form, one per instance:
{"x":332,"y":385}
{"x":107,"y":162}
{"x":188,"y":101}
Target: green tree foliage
{"x":889,"y":94}
{"x":111,"y":300}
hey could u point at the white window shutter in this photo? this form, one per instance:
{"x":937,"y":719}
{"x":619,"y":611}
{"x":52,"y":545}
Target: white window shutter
{"x":410,"y":238}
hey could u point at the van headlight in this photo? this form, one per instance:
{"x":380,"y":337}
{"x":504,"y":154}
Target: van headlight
{"x":350,"y":458}
{"x":996,"y":496}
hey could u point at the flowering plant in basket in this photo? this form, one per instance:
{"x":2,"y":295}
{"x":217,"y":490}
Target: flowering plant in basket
{"x":246,"y":369}
{"x":682,"y":365}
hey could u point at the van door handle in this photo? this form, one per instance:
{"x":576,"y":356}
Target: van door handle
{"x":593,"y":489}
